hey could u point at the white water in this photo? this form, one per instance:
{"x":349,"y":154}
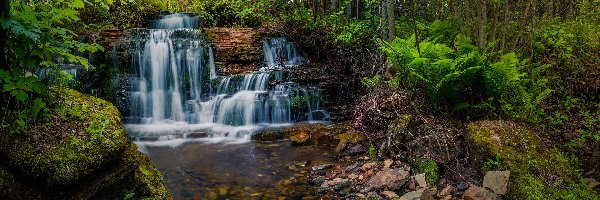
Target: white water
{"x":177,"y":91}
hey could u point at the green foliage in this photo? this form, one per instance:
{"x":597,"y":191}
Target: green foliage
{"x":430,"y":168}
{"x":371,"y":83}
{"x":494,"y":163}
{"x":372,"y":151}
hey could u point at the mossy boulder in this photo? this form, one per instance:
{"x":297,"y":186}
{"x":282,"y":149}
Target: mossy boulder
{"x":76,"y":150}
{"x":538,"y":170}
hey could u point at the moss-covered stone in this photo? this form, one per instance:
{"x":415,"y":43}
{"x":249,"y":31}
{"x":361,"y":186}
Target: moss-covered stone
{"x":78,"y":151}
{"x":540,"y":171}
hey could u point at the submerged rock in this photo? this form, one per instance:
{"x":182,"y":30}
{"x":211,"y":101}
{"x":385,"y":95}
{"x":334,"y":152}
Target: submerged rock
{"x":300,"y":138}
{"x":497,"y":181}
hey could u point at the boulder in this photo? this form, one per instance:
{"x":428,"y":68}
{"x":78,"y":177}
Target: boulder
{"x":497,"y":181}
{"x":388,"y":179}
{"x":479,"y":193}
{"x":389,"y":194}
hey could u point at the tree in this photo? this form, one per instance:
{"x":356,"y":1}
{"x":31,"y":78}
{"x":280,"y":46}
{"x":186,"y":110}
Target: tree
{"x":4,"y":14}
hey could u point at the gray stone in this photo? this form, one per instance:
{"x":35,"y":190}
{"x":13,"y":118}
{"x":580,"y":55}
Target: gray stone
{"x":497,"y":181}
{"x":318,"y":181}
{"x":420,"y":179}
{"x":356,"y":149}
{"x":388,"y":179}
{"x":446,"y":191}
{"x":422,"y":194}
{"x":337,"y":184}
{"x":322,"y":167}
{"x":479,"y":193}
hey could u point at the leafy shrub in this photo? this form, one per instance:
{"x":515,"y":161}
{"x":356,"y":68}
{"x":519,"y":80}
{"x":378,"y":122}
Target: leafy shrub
{"x":371,"y":83}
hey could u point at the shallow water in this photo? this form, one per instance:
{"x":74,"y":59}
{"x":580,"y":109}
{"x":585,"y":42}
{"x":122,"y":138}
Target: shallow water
{"x":200,"y":170}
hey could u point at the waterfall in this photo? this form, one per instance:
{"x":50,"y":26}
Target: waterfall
{"x":279,"y":52}
{"x":174,"y":86}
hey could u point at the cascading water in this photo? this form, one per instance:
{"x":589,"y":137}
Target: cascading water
{"x":175,"y":87}
{"x":280,"y":52}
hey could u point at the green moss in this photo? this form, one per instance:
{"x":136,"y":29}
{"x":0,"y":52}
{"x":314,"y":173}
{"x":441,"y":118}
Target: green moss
{"x":538,"y":172}
{"x":430,"y":168}
{"x":86,"y":134}
{"x":149,"y":181}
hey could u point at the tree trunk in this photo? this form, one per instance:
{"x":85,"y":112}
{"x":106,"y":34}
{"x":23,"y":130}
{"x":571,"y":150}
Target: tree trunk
{"x":4,"y":14}
{"x":482,"y":11}
{"x":383,"y":21}
{"x":505,"y":26}
{"x":414,"y":8}
{"x":391,"y":21}
{"x":333,"y":6}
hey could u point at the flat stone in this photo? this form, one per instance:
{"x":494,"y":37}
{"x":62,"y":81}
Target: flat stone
{"x":479,"y":193}
{"x":420,"y":179}
{"x":318,"y":181}
{"x":388,"y":179}
{"x":322,"y":167}
{"x":497,"y":181}
{"x":337,"y":184}
{"x":389,"y":194}
{"x":422,"y":194}
{"x":387,"y":163}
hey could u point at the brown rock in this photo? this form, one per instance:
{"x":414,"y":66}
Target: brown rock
{"x":389,"y":194}
{"x":497,"y":181}
{"x":390,"y":179}
{"x":479,"y":193}
{"x":420,"y":179}
{"x":387,"y":163}
{"x":446,"y":191}
{"x":422,"y":194}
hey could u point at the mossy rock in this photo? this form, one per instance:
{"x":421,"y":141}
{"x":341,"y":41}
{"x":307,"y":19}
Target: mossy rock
{"x":83,"y":134}
{"x":540,"y":172}
{"x":78,"y":151}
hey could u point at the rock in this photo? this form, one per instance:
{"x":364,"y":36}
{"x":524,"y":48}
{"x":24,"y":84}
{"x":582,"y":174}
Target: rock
{"x":422,"y":194}
{"x":389,"y":194}
{"x":497,"y":181}
{"x":337,"y":184}
{"x":420,"y":180}
{"x":592,"y":183}
{"x":368,"y":166}
{"x":352,"y":176}
{"x":479,"y":193}
{"x":446,"y":191}
{"x":300,"y":138}
{"x":373,"y":195}
{"x":391,"y":179}
{"x":318,"y":181}
{"x":322,"y":167}
{"x":387,"y":163}
{"x":356,"y":149}
{"x":352,"y":167}
{"x":462,"y":186}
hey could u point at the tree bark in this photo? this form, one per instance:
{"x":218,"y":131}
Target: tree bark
{"x":505,"y":26}
{"x":4,"y":14}
{"x":482,"y":11}
{"x":391,"y":21}
{"x":414,"y":8}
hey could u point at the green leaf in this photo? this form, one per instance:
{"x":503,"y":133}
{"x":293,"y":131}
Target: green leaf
{"x":78,"y":4}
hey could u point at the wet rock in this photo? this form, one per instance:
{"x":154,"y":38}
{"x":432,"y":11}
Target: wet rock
{"x":422,"y":194}
{"x":497,"y":181}
{"x":389,"y":194}
{"x":300,"y":138}
{"x":318,"y":181}
{"x":387,"y":163}
{"x":592,"y":183}
{"x":479,"y":193}
{"x":302,"y":163}
{"x":391,"y":179}
{"x":373,"y":195}
{"x":356,"y":149}
{"x":420,"y":180}
{"x":322,"y":167}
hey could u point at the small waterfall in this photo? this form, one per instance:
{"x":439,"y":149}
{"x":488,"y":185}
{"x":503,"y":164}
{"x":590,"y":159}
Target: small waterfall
{"x":173,"y":82}
{"x":279,"y":52}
